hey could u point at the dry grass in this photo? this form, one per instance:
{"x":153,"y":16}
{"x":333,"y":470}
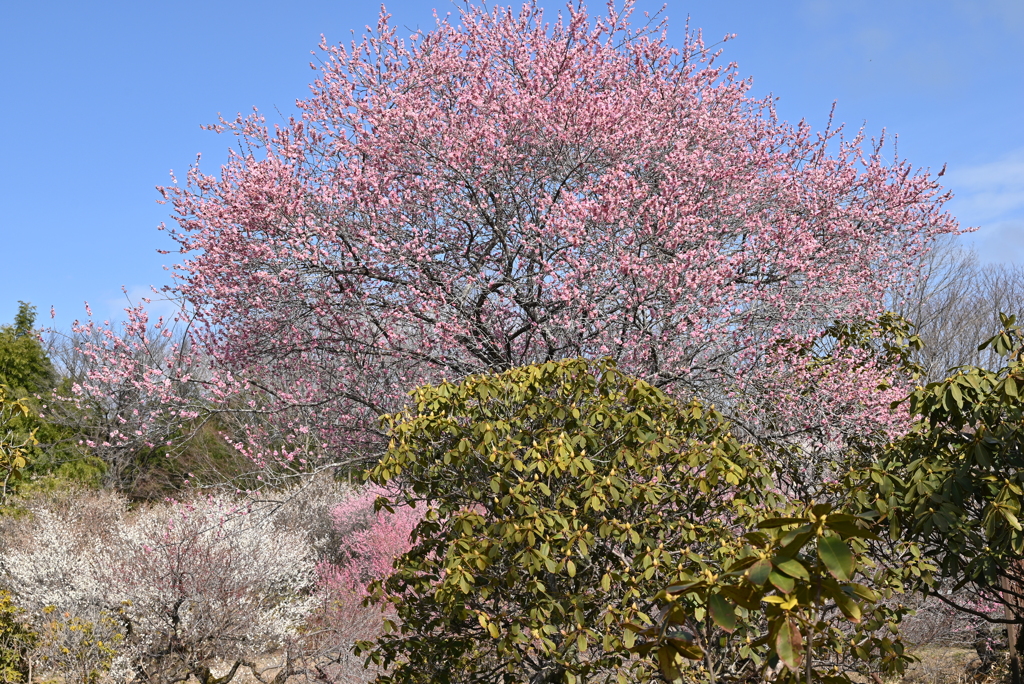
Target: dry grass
{"x":953,"y":665}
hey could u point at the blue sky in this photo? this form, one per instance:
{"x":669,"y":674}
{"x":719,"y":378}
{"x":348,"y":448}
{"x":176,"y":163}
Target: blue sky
{"x":100,"y":101}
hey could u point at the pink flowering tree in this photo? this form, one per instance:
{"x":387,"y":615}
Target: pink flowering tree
{"x":512,"y":187}
{"x":372,"y":542}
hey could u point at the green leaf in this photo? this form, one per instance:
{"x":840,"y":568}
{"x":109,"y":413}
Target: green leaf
{"x":849,"y":607}
{"x":759,"y":571}
{"x":722,"y":612}
{"x":669,"y":663}
{"x":794,"y":540}
{"x":782,"y":582}
{"x":741,"y":564}
{"x":821,"y":509}
{"x":690,"y":651}
{"x":836,"y":556}
{"x":957,"y":396}
{"x":779,"y":522}
{"x":848,"y":530}
{"x":1010,"y":518}
{"x":789,"y":644}
{"x":793,"y":568}
{"x":864,"y":592}
{"x":743,"y":596}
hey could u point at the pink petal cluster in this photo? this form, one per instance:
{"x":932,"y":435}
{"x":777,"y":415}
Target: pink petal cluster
{"x":372,"y":541}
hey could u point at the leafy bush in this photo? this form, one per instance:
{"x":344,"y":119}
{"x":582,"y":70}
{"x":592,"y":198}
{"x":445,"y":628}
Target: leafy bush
{"x":794,"y":593}
{"x":954,"y":487}
{"x":559,"y":498}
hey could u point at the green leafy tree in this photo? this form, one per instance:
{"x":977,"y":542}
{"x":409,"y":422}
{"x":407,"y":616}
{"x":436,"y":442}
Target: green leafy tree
{"x":955,"y":486}
{"x":560,"y":497}
{"x":30,"y":443}
{"x":24,"y":364}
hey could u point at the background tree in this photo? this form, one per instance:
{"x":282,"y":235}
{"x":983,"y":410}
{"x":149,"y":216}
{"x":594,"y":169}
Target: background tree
{"x":509,"y":190}
{"x":24,"y":364}
{"x":957,"y":302}
{"x":146,"y":421}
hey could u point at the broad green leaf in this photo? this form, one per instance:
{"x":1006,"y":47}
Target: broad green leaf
{"x":779,"y":522}
{"x":821,"y":509}
{"x":758,"y":572}
{"x":782,"y":582}
{"x":690,"y":651}
{"x":669,"y":662}
{"x":722,"y":613}
{"x":1010,"y":518}
{"x":794,"y":540}
{"x":836,"y":556}
{"x":741,"y":564}
{"x":849,"y":607}
{"x":849,"y":529}
{"x":743,"y":596}
{"x":789,"y":644}
{"x":793,"y":568}
{"x":864,"y":592}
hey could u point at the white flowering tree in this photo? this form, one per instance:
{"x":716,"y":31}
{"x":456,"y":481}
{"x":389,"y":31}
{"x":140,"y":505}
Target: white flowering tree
{"x":191,"y":584}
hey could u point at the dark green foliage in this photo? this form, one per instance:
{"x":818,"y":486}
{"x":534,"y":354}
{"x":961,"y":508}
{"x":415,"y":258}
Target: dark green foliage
{"x":24,"y":365}
{"x":955,"y":483}
{"x":16,"y":440}
{"x":802,"y":590}
{"x":563,"y":497}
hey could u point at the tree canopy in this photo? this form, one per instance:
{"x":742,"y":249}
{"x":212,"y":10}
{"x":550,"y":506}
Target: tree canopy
{"x":24,"y":364}
{"x":511,"y":188}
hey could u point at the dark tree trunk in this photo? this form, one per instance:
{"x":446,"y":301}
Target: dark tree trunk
{"x":1013,"y":631}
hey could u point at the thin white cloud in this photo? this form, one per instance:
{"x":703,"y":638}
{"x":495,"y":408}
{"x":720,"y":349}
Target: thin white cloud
{"x":990,"y":191}
{"x":991,"y":196}
{"x":999,"y":242}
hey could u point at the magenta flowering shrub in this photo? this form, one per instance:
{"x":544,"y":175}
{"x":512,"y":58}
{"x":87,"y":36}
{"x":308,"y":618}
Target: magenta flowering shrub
{"x":374,"y":538}
{"x":372,"y":541}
